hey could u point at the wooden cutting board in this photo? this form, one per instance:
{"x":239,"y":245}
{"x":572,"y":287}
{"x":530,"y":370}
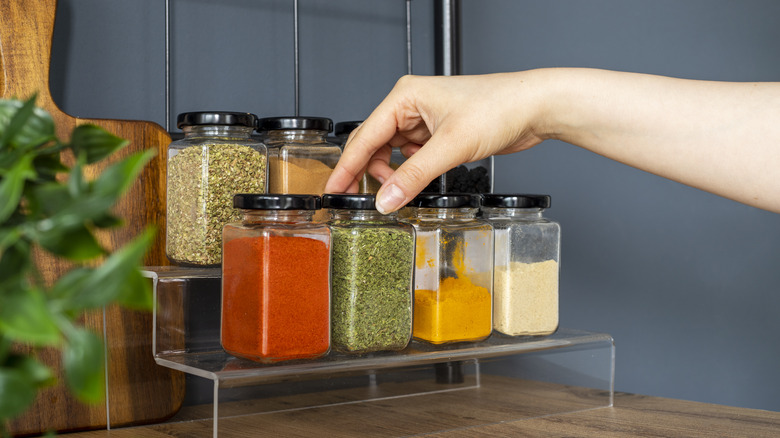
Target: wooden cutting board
{"x":139,"y":391}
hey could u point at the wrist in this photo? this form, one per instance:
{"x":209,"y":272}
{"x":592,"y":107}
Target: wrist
{"x":551,"y":97}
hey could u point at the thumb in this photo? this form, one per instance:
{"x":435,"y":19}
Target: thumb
{"x":436,"y":157}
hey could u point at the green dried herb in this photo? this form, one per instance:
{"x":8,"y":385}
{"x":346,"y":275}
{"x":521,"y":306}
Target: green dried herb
{"x":371,"y":287}
{"x":201,"y":203}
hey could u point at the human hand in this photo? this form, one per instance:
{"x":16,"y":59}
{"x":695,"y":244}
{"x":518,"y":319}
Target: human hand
{"x":439,"y":123}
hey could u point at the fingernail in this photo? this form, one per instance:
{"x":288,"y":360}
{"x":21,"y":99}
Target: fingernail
{"x":390,"y":199}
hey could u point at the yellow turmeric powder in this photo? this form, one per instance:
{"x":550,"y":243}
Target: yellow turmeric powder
{"x":458,"y":311}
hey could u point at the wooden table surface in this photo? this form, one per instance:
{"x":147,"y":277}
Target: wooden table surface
{"x":499,"y":407}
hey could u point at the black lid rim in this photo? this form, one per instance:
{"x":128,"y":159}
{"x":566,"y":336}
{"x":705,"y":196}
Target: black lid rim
{"x":266,"y":201}
{"x":446,"y":200}
{"x":349,"y":201}
{"x":295,"y":123}
{"x":222,"y":118}
{"x":516,"y":200}
{"x":346,"y":128}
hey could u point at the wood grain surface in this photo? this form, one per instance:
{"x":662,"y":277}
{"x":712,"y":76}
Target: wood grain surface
{"x":500,"y":407}
{"x":139,"y":391}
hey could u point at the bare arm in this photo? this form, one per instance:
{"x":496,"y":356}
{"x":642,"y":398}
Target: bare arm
{"x":721,"y":137}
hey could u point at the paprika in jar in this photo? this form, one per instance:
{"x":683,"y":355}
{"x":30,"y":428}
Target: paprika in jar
{"x":276,"y":279}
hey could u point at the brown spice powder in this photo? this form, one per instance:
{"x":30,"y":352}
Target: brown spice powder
{"x":298,"y":176}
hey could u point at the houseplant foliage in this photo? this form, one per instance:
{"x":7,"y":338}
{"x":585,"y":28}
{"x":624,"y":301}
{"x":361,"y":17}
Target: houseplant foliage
{"x":49,"y":206}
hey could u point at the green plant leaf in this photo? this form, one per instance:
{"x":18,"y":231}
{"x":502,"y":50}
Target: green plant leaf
{"x":110,"y":280}
{"x":15,"y":263}
{"x":77,"y":184}
{"x":73,"y":243}
{"x":36,"y":208}
{"x":12,"y":186}
{"x":70,"y":283}
{"x":107,"y":221}
{"x":83,"y":359}
{"x":14,"y":114}
{"x":25,"y":317}
{"x":14,"y":381}
{"x":34,"y":370}
{"x":24,"y":126}
{"x":8,"y":236}
{"x":50,"y":198}
{"x":69,"y":212}
{"x":95,"y":142}
{"x":117,"y":178}
{"x":48,"y":166}
{"x":136,"y":292}
{"x":68,"y":286}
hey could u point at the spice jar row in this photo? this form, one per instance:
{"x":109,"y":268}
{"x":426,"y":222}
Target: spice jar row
{"x":219,"y":157}
{"x":363,"y":282}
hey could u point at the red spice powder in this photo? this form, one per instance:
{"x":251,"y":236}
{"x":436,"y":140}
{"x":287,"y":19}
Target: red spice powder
{"x":275,"y":298}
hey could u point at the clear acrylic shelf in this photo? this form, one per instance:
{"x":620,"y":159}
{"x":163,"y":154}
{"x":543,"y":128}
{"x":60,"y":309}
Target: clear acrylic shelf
{"x":186,"y":337}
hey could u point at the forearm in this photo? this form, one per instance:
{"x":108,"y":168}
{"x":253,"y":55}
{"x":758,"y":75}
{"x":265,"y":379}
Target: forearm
{"x":720,"y":137}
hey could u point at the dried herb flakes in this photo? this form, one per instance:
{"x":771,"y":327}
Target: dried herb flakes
{"x":201,"y":183}
{"x":371,"y":287}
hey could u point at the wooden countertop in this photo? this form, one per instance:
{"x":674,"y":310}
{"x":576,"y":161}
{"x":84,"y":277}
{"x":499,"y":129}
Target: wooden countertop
{"x":499,"y":407}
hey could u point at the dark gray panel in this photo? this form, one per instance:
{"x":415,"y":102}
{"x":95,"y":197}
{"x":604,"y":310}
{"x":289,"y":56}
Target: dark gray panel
{"x":685,"y":281}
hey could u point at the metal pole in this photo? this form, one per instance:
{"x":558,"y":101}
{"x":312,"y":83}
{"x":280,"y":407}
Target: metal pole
{"x":408,"y":37}
{"x":167,"y":65}
{"x":446,"y":17}
{"x":297,"y":73}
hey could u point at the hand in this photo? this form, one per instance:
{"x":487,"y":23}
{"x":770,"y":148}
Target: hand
{"x":438,"y":123}
{"x":721,"y":137}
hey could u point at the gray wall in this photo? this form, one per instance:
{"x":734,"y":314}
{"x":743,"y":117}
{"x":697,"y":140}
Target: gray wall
{"x":686,"y":282}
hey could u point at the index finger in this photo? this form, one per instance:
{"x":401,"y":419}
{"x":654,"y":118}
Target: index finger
{"x":376,"y":131}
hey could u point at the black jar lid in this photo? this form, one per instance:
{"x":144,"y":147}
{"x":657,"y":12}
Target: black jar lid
{"x":252,"y":201}
{"x":224,"y":118}
{"x":515,"y":201}
{"x":345,"y":128}
{"x":283,"y":123}
{"x":349,"y":201}
{"x":448,"y":200}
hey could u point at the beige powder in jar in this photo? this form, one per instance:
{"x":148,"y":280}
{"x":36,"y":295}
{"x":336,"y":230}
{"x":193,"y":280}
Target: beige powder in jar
{"x":525,"y":298}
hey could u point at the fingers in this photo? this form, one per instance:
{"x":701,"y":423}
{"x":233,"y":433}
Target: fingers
{"x":409,"y":149}
{"x":363,"y":143}
{"x":438,"y":156}
{"x":379,"y":166}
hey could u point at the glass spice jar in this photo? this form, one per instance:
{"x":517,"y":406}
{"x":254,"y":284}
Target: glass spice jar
{"x":453,"y":269}
{"x":372,"y":265}
{"x":342,"y":130}
{"x":275,"y":280}
{"x":527,"y":257}
{"x":474,"y":177}
{"x":216,"y":159}
{"x":300,"y":157}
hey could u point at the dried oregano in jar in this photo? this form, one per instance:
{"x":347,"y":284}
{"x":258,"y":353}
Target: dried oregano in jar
{"x":216,"y":159}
